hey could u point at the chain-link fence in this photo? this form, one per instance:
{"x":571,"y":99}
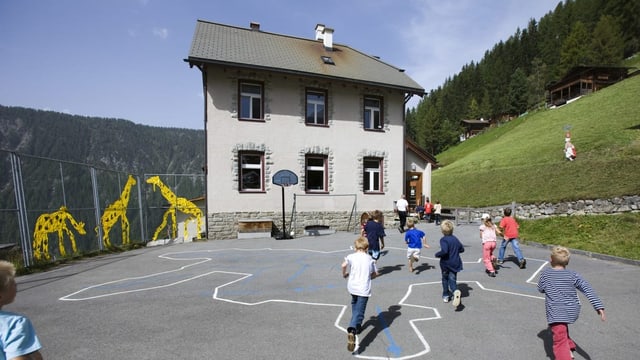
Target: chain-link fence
{"x":51,"y":208}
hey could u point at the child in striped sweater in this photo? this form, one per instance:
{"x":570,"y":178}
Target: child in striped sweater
{"x":561,"y":300}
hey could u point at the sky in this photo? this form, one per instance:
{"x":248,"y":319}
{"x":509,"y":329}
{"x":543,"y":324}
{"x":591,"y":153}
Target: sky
{"x":125,"y":58}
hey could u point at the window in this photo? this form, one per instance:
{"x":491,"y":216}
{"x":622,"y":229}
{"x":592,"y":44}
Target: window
{"x":251,"y":170}
{"x":316,"y":173}
{"x":316,"y":106}
{"x":327,"y":60}
{"x":251,"y":101}
{"x":373,"y":113}
{"x":372,"y":181}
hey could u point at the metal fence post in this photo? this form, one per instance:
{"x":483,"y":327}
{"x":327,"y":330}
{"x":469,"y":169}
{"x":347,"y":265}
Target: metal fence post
{"x":23,"y":223}
{"x":96,"y":206}
{"x":142,"y":219}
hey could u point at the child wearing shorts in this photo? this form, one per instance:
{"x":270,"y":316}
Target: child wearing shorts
{"x":415,"y":239}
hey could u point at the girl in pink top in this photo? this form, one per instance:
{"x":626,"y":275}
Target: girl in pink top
{"x":488,"y":237}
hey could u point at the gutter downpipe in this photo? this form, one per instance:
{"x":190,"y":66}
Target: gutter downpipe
{"x":407,"y":97}
{"x":205,"y":169}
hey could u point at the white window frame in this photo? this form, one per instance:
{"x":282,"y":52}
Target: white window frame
{"x":371,"y":174}
{"x":314,"y":104}
{"x":252,"y":97}
{"x":246,"y":167}
{"x":371,"y":111}
{"x":316,"y":168}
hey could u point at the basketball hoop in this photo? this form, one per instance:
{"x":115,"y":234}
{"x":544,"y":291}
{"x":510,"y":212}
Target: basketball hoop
{"x":284,"y":178}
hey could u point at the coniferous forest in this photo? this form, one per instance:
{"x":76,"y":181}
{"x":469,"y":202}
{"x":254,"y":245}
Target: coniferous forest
{"x":511,"y":78}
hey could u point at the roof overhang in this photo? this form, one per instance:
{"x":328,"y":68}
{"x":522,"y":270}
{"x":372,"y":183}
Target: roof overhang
{"x":199,"y":62}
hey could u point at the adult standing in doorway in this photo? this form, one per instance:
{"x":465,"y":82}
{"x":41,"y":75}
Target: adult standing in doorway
{"x":402,"y":206}
{"x":437,"y":212}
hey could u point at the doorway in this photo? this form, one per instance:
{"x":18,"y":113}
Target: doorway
{"x":413,"y":189}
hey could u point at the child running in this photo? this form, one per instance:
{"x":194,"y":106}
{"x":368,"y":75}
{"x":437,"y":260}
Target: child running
{"x":359,"y":268}
{"x":375,"y":234}
{"x":364,"y":218}
{"x":450,"y":263}
{"x":488,"y":237}
{"x":562,"y":304}
{"x":415,"y":239}
{"x":509,"y":231}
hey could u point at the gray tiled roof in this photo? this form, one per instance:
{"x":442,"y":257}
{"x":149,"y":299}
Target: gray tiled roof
{"x":230,"y":45}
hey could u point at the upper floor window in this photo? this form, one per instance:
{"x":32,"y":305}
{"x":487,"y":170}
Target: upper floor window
{"x":316,"y":107}
{"x":251,"y":101}
{"x":251,"y":171}
{"x":372,"y":181}
{"x":373,"y":113}
{"x":316,"y":173}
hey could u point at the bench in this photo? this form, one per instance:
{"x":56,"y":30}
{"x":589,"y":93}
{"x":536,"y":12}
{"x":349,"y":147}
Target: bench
{"x":254,"y":228}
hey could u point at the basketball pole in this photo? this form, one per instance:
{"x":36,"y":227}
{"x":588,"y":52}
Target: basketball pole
{"x":284,"y":178}
{"x":285,"y":235}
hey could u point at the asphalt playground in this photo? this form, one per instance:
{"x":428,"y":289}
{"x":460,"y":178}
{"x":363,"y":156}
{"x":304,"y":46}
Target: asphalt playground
{"x":286,"y":299}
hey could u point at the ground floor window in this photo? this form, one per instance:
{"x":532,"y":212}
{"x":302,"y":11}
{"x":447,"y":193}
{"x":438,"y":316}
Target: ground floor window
{"x":251,"y":171}
{"x":316,"y":173}
{"x":372,"y":180}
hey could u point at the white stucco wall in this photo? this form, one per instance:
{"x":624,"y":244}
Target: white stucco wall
{"x":285,"y":138}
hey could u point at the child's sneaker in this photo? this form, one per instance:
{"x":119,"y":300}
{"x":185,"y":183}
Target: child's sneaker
{"x":523,"y":263}
{"x":445,"y":299}
{"x":456,"y":298}
{"x":351,"y":339}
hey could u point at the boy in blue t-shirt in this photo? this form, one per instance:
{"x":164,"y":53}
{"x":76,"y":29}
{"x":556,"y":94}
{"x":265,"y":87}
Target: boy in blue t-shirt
{"x":415,"y":239}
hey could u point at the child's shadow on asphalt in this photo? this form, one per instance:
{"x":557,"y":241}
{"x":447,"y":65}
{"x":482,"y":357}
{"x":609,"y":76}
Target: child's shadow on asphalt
{"x":547,"y":340}
{"x":387,"y":269}
{"x":423,"y":267}
{"x":379,"y":323}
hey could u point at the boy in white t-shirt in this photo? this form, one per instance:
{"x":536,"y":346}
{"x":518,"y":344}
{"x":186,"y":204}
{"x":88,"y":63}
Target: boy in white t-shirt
{"x":359,"y":268}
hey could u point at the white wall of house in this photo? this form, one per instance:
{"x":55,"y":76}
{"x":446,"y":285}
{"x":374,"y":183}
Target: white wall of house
{"x":285,"y":138}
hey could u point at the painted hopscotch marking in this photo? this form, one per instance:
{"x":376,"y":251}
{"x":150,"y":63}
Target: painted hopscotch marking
{"x":194,"y":271}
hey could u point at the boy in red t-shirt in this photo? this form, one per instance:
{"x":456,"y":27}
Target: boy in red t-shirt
{"x":428,"y":209}
{"x":509,"y":230}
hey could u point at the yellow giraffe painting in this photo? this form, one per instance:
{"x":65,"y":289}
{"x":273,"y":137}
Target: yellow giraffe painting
{"x":55,"y":222}
{"x":176,"y":203}
{"x":117,"y":210}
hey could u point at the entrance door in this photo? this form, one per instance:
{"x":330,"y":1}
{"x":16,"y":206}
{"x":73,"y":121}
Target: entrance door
{"x":414,"y":189}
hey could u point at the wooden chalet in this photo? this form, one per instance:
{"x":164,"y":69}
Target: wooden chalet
{"x":583,"y":80}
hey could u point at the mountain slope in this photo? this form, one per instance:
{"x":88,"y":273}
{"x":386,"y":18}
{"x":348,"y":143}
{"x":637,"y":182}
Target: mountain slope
{"x":522,"y":160}
{"x":114,"y":144}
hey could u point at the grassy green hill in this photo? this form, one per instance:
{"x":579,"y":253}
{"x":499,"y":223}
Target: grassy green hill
{"x":523,"y":161}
